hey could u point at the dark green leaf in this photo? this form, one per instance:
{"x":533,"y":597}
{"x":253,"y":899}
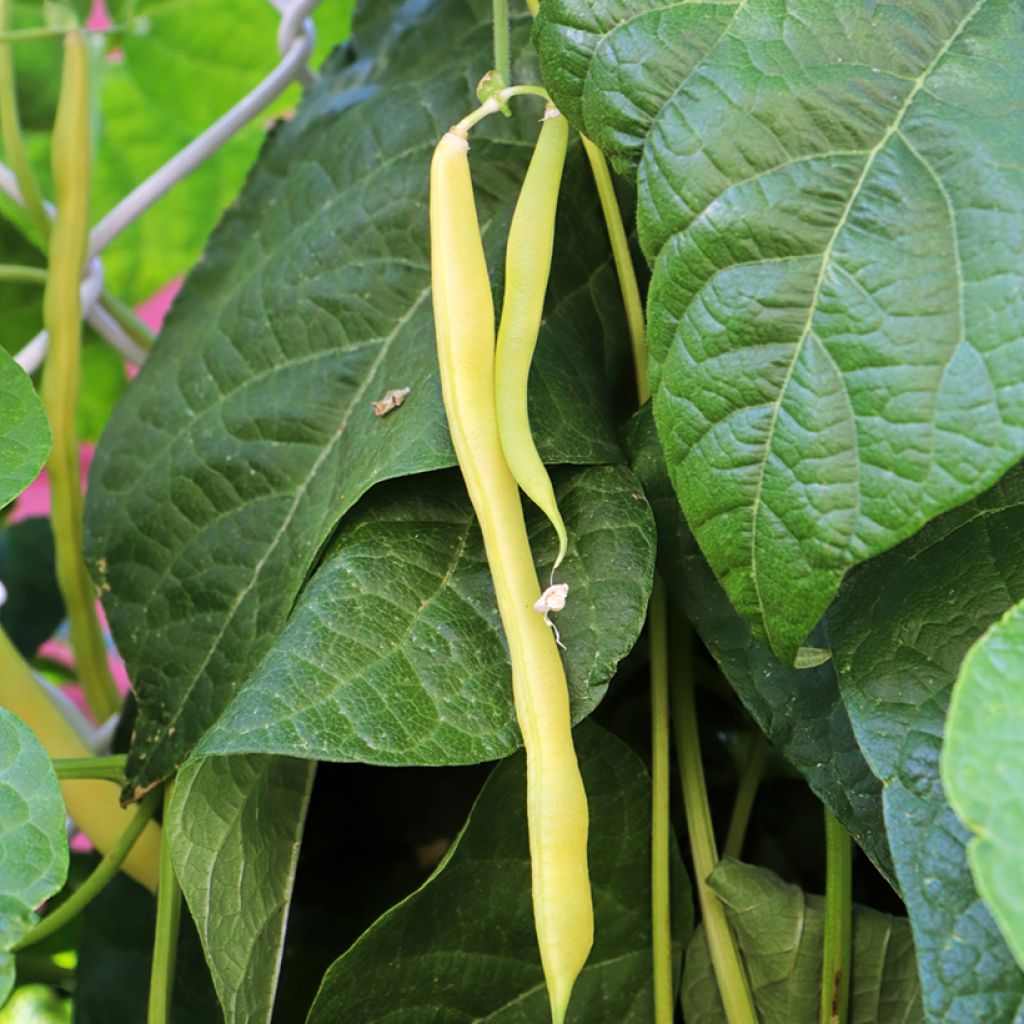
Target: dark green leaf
{"x":115,"y":956}
{"x":833,"y":207}
{"x":982,"y":769}
{"x":33,"y":840}
{"x":34,"y":607}
{"x":462,"y":948}
{"x":21,"y":302}
{"x":24,"y":430}
{"x":800,"y":711}
{"x":900,"y":630}
{"x":780,"y":932}
{"x":235,"y":825}
{"x":395,"y":655}
{"x":250,"y":432}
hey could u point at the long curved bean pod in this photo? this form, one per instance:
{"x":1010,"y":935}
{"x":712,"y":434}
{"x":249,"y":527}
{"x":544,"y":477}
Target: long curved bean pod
{"x":527,"y":268}
{"x":556,"y":801}
{"x":62,"y":314}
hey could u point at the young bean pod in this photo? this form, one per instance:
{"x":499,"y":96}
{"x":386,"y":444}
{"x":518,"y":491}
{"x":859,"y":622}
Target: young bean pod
{"x":527,"y":268}
{"x":62,"y":315}
{"x":556,"y":801}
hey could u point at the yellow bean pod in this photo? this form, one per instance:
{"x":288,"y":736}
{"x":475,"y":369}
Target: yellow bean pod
{"x":556,"y":801}
{"x":527,"y":268}
{"x":92,"y":804}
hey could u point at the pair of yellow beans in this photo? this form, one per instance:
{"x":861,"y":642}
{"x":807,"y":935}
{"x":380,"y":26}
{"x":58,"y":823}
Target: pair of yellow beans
{"x":483,"y":384}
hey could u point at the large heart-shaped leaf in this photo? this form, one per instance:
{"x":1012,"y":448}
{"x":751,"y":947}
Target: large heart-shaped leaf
{"x":983,"y":771}
{"x":395,"y":654}
{"x":831,"y":199}
{"x":33,"y":840}
{"x":900,"y":630}
{"x":780,"y":933}
{"x":235,"y":825}
{"x":799,"y":710}
{"x":462,"y":948}
{"x":250,"y":431}
{"x":24,"y":430}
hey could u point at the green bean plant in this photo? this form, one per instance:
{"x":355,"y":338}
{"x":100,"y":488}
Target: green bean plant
{"x":561,"y":559}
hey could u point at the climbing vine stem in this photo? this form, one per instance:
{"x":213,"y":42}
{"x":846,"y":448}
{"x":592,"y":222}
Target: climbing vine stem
{"x":725,"y":956}
{"x":165,"y":940}
{"x":835,"y":979}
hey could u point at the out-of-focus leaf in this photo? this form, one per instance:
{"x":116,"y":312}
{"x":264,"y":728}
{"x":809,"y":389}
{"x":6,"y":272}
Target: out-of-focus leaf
{"x":179,"y":67}
{"x":780,"y":933}
{"x":34,"y":607}
{"x":462,"y":948}
{"x":103,"y":383}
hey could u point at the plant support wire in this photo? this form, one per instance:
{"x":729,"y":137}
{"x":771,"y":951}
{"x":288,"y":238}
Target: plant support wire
{"x":296,"y":38}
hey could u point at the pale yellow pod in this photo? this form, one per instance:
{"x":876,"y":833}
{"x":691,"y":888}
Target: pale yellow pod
{"x":92,"y":804}
{"x":527,"y":269}
{"x":556,"y":800}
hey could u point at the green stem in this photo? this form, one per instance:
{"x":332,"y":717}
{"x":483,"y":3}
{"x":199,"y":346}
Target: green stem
{"x":661,"y":922}
{"x":94,"y":884}
{"x":10,"y":131}
{"x":623,"y":264}
{"x":165,"y":940}
{"x":62,"y":315}
{"x":129,"y":320}
{"x":20,"y":35}
{"x":746,"y":791}
{"x":494,"y":104}
{"x":18,"y":272}
{"x":725,"y":956}
{"x":835,"y":979}
{"x":109,"y":769}
{"x":502,"y":51}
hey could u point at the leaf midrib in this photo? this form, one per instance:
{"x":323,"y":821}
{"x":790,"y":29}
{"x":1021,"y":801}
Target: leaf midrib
{"x":812,"y":305}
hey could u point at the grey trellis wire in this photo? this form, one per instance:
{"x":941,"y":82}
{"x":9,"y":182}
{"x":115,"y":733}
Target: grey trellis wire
{"x":295,"y":38}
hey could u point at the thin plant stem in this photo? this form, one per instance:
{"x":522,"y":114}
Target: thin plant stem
{"x":624,"y":268}
{"x":21,"y":35}
{"x":107,"y":769}
{"x":165,"y":940}
{"x":534,"y":6}
{"x":19,"y":272}
{"x":725,"y":956}
{"x":62,"y":314}
{"x":750,"y":779}
{"x":10,"y":131}
{"x":502,"y":51}
{"x":495,"y":103}
{"x":835,"y":977}
{"x":129,"y":320}
{"x":661,"y":921}
{"x":94,"y":884}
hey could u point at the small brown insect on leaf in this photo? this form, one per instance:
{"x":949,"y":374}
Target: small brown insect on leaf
{"x":392,"y":400}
